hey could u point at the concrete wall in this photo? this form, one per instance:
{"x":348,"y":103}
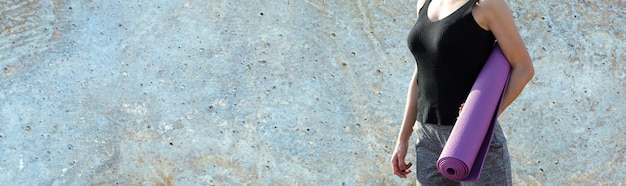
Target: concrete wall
{"x":279,"y":92}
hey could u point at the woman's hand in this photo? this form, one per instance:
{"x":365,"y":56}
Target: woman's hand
{"x":400,"y":167}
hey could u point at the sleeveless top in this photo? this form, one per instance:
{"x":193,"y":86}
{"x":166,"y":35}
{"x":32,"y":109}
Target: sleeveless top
{"x":449,"y":54}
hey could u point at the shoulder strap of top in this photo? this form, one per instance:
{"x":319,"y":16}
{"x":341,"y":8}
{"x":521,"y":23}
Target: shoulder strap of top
{"x":469,"y":6}
{"x":424,"y":10}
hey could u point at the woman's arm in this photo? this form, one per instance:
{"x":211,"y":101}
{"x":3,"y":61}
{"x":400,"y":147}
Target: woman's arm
{"x":400,"y":167}
{"x":410,"y":111}
{"x":500,"y":21}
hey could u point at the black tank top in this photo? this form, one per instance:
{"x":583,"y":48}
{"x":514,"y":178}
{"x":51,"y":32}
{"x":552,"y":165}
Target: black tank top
{"x":449,"y":54}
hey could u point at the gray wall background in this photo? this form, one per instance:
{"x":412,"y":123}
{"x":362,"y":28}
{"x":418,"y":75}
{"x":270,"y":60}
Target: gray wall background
{"x":280,"y":92}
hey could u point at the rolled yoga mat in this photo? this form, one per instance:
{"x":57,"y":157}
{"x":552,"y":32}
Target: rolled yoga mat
{"x":463,"y":155}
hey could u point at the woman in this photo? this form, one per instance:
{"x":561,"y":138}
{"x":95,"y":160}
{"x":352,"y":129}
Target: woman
{"x":451,"y":41}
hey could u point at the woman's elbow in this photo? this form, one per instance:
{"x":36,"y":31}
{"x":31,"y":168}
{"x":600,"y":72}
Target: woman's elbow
{"x":528,"y":72}
{"x":524,"y":72}
{"x":531,"y":72}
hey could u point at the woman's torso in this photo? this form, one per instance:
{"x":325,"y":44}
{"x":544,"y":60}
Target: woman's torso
{"x":449,"y":52}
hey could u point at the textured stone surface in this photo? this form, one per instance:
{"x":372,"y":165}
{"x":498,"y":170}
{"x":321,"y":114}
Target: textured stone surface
{"x":279,"y":92}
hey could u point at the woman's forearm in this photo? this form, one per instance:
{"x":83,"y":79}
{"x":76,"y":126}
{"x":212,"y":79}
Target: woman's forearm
{"x":520,"y":76}
{"x":410,"y":111}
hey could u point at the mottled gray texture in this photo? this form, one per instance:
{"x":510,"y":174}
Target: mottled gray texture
{"x":280,"y":92}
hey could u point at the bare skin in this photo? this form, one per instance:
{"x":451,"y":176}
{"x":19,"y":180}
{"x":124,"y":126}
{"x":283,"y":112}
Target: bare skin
{"x":493,"y":15}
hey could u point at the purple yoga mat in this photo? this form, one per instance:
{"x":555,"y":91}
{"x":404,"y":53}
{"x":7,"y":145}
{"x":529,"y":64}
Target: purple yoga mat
{"x":463,"y":155}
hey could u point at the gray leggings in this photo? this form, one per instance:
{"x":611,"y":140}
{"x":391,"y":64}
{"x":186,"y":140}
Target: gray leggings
{"x":430,"y":141}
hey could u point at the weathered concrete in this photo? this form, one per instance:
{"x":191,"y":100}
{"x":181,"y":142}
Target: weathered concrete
{"x":279,"y":92}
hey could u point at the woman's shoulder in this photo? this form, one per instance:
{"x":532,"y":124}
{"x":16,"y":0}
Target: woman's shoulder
{"x":488,"y":11}
{"x":493,"y":6}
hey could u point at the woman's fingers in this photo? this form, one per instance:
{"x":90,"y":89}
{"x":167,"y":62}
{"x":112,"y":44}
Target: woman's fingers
{"x":407,"y":169}
{"x":408,"y":166}
{"x":400,"y":168}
